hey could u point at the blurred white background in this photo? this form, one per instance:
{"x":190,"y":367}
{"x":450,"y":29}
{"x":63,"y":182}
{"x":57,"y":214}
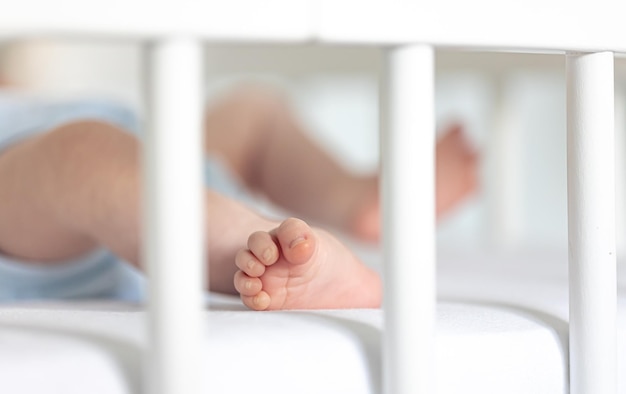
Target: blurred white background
{"x":510,"y":101}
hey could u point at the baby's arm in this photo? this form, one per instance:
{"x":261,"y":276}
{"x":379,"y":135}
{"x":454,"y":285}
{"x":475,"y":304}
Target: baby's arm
{"x":66,"y":191}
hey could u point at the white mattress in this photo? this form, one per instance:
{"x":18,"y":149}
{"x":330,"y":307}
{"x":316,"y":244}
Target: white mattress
{"x":502,"y":327}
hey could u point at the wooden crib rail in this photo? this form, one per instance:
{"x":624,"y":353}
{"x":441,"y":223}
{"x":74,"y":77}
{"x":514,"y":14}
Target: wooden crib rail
{"x":588,"y":32}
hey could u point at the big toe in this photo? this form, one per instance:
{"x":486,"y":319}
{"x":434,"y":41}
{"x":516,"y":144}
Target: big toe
{"x":297,"y":240}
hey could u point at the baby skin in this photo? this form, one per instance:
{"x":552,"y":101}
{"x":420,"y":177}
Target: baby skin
{"x":77,"y":187}
{"x":268,"y":149}
{"x":295,"y":266}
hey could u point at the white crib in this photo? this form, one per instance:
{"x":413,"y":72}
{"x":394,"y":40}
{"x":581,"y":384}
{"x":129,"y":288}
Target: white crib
{"x":587,"y":34}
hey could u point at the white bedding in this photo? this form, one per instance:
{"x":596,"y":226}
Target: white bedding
{"x":502,"y":327}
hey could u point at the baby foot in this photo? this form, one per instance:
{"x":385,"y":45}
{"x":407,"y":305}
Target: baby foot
{"x":457,"y":170}
{"x":456,"y":178}
{"x":296,"y":267}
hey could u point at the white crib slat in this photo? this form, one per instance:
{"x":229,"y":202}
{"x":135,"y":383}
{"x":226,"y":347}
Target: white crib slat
{"x":174,"y":218}
{"x":409,"y":222}
{"x":620,"y":167}
{"x":591,"y":210}
{"x":502,"y":171}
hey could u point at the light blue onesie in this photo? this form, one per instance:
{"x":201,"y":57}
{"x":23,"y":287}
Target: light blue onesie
{"x":99,"y":274}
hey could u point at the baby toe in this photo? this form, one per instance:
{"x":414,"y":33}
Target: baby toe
{"x":263,"y":246}
{"x":297,"y":240}
{"x":258,"y":302}
{"x":246,"y":285}
{"x":249,"y":264}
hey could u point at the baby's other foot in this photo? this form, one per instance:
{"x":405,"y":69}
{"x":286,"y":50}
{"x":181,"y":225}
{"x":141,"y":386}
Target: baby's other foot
{"x":456,"y":179}
{"x":296,"y":267}
{"x":457,"y":170}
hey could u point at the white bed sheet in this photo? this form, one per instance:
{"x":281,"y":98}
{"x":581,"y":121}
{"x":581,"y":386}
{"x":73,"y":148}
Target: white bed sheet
{"x":501,"y":327}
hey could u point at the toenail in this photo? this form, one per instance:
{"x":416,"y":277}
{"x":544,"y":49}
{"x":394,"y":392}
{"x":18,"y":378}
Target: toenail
{"x":251,"y":264}
{"x":297,"y":241}
{"x":248,"y":285}
{"x":268,"y":254}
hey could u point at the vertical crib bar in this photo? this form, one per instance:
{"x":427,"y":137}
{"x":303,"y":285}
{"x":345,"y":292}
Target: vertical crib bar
{"x":502,"y":167}
{"x":174,"y":218}
{"x":591,"y":210}
{"x":620,"y":167}
{"x":409,"y":222}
